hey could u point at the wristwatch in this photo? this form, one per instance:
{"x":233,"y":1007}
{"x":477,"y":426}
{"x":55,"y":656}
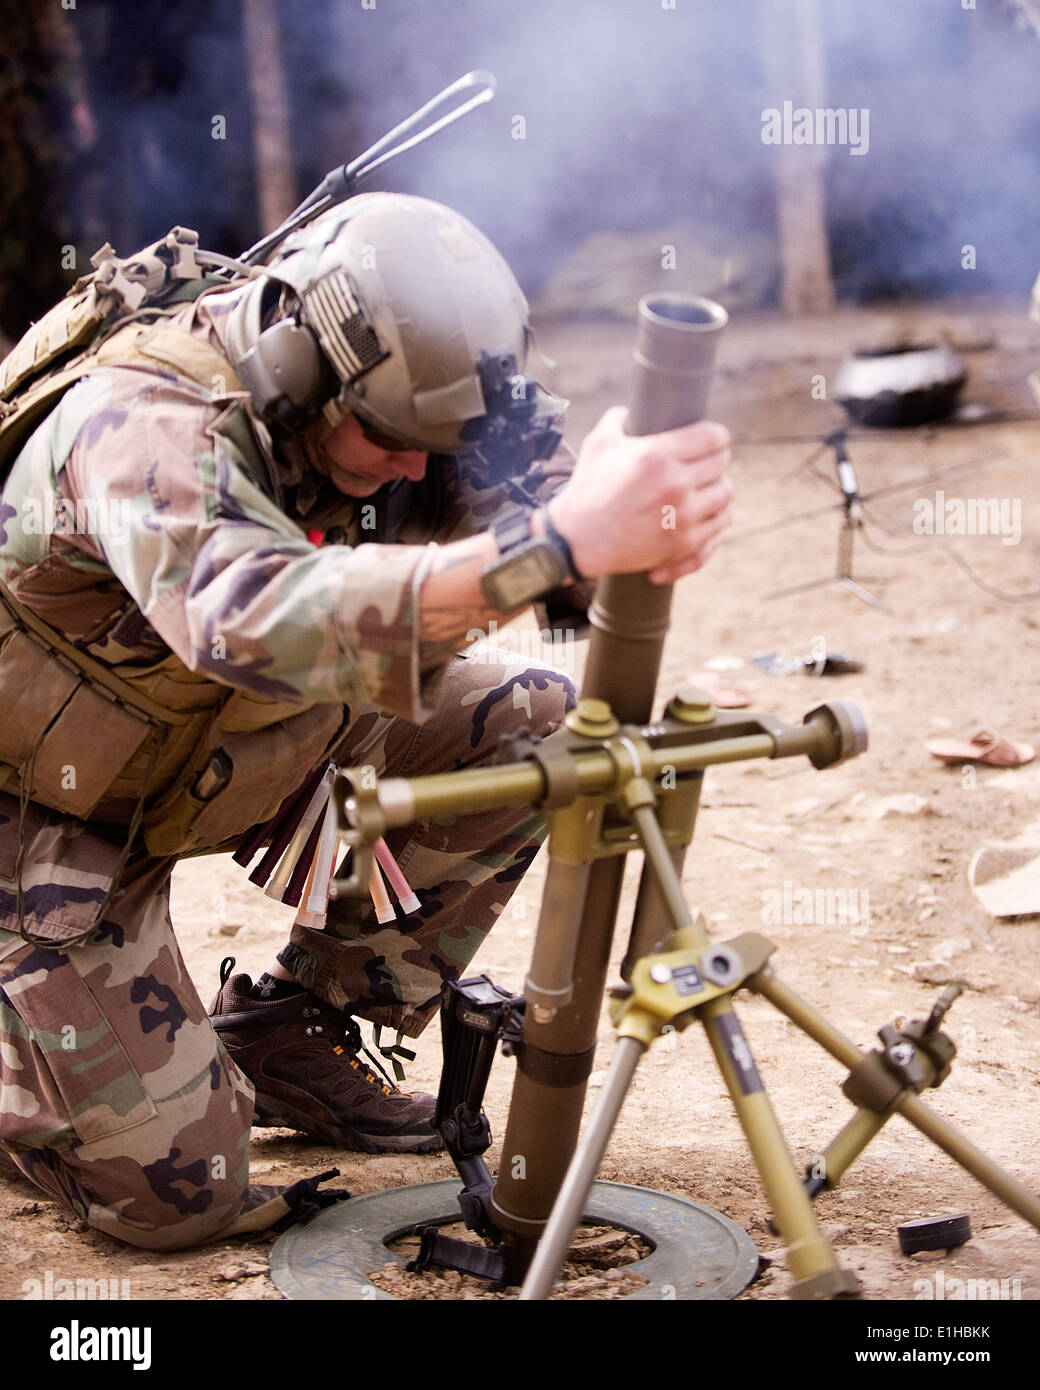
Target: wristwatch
{"x":528,"y":566}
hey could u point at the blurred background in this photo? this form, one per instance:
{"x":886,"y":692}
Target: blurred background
{"x":636,"y":123}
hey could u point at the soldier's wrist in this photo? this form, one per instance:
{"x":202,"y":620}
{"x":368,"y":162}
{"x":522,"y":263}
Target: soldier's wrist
{"x":567,"y":536}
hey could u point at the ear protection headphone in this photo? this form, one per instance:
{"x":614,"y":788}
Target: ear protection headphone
{"x":285,"y":371}
{"x":286,"y":374}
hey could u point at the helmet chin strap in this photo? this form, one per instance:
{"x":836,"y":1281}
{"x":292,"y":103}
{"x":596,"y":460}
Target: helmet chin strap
{"x":353,"y":484}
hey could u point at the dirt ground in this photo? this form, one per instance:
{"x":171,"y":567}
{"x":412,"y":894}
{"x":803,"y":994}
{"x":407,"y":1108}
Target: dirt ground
{"x":945,"y":657}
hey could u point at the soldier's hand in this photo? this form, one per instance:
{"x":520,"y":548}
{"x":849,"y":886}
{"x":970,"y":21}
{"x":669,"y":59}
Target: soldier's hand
{"x":655,"y":502}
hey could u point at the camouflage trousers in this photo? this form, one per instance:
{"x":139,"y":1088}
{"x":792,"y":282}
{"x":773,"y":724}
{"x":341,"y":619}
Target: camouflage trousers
{"x":116,"y":1095}
{"x":463,"y":869}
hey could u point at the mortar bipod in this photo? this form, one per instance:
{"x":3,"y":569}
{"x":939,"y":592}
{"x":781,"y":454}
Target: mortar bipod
{"x":693,"y":981}
{"x":604,"y":785}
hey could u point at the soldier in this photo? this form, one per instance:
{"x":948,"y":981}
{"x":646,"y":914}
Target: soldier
{"x":261,"y":474}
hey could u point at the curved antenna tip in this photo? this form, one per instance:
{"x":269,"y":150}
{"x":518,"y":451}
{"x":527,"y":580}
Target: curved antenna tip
{"x":481,"y":77}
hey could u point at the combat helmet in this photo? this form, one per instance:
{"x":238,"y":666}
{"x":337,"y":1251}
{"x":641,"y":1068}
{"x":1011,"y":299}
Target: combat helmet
{"x":390,"y":306}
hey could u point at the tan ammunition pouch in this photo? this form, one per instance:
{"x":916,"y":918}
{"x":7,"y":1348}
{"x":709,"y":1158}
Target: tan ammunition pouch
{"x":93,"y":745}
{"x":79,"y":726}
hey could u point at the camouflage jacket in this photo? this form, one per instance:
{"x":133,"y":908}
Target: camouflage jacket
{"x":145,"y":526}
{"x":131,"y":525}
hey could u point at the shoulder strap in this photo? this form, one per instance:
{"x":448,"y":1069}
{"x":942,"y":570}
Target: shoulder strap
{"x":177,"y":348}
{"x":209,"y":368}
{"x":116,"y":288}
{"x":131,"y":344}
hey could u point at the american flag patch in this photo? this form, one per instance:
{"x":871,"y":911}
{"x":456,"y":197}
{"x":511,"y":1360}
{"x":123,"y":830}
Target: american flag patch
{"x":345,"y":334}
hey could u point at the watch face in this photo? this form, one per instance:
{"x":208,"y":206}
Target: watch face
{"x":524,"y":576}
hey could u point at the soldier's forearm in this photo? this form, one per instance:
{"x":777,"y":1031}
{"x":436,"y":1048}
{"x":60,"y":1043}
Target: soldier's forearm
{"x":451,"y":602}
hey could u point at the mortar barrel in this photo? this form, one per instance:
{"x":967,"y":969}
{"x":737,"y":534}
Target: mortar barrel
{"x":676,"y":341}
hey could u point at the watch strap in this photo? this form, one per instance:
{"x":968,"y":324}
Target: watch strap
{"x":562,"y":545}
{"x":511,"y":529}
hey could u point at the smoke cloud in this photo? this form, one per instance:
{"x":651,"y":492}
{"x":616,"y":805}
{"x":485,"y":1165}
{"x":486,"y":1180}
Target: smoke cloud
{"x":620,"y":114}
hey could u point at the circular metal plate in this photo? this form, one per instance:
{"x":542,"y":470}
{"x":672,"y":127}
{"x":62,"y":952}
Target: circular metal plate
{"x":698,"y":1253}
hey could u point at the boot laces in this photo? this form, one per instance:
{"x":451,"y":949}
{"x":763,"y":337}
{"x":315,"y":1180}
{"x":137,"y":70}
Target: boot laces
{"x":350,"y":1045}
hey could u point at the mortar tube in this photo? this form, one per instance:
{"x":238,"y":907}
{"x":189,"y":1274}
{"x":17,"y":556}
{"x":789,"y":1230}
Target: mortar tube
{"x":675,"y":348}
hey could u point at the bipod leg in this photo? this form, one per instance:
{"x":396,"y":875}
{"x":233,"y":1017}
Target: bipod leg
{"x":843,"y":1150}
{"x":810,"y":1257}
{"x":573,"y":1195}
{"x":669,"y":988}
{"x":907,"y":1103}
{"x":1010,"y":1191}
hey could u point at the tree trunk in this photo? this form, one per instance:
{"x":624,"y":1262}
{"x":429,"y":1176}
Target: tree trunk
{"x":272,"y":148}
{"x":793,"y":48}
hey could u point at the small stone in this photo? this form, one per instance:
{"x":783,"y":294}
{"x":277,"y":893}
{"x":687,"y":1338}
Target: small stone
{"x":903,"y":804}
{"x":230,"y":1274}
{"x":588,"y":1283}
{"x":950,"y":947}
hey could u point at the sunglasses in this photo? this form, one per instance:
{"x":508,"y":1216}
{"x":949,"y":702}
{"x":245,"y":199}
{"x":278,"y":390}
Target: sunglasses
{"x":389,"y":442}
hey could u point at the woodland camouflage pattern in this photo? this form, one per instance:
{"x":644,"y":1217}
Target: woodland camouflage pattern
{"x":199,"y":567}
{"x":116,"y":1096}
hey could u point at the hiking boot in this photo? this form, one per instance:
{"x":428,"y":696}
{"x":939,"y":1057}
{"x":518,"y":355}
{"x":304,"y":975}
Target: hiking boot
{"x":301,"y":1056}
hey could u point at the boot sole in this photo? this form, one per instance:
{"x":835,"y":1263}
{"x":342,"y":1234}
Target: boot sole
{"x":274,"y":1114}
